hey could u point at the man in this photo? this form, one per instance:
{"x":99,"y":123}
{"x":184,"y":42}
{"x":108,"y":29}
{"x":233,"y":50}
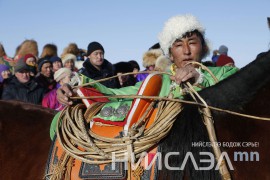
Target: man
{"x":22,"y":86}
{"x":45,"y":75}
{"x":183,"y":41}
{"x":96,"y":67}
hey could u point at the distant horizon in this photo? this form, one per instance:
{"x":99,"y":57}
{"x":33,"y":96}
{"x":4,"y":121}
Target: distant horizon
{"x":127,"y":29}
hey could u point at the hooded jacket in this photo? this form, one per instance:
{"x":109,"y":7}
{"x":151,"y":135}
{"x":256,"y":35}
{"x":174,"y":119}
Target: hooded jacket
{"x":107,"y":70}
{"x":30,"y":92}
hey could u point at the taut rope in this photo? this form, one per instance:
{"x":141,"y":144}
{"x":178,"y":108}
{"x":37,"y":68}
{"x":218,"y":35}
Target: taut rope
{"x":176,"y":100}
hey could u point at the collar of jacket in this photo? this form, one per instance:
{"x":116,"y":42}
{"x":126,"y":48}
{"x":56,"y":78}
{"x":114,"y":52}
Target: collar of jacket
{"x":31,"y":84}
{"x":106,"y":68}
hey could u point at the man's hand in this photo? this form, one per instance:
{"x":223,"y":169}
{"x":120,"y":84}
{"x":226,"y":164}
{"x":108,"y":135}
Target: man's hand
{"x":64,"y":93}
{"x":186,"y":73}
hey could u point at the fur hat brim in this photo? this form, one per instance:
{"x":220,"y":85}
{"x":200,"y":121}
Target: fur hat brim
{"x":175,"y":28}
{"x":163,"y":64}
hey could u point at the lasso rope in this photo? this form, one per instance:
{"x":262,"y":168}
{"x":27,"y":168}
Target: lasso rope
{"x":97,"y":149}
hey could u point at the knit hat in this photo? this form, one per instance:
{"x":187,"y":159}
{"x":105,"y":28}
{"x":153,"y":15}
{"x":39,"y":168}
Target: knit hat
{"x":223,"y":49}
{"x":68,"y":57}
{"x":61,"y":73}
{"x":42,"y":61}
{"x":150,"y":57}
{"x":223,"y":60}
{"x":93,"y":46}
{"x":21,"y":66}
{"x":55,"y":58}
{"x":3,"y":68}
{"x":175,"y":28}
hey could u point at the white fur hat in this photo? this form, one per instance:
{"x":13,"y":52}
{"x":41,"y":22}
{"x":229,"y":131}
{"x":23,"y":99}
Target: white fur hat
{"x":68,"y":57}
{"x":175,"y":28}
{"x":61,"y":73}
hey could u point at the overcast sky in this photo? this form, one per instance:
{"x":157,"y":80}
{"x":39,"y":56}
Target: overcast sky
{"x":127,"y":29}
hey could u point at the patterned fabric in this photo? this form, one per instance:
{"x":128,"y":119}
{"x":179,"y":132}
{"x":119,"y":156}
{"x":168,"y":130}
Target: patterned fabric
{"x":8,"y":61}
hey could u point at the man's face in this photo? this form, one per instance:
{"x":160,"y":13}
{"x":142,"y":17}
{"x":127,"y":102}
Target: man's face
{"x":46,"y":69}
{"x":96,"y":58}
{"x":185,"y":50}
{"x":23,"y":76}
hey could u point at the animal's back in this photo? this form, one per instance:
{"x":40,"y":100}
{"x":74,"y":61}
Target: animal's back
{"x":24,"y":139}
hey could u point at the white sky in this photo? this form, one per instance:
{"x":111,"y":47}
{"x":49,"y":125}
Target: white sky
{"x":127,"y":29}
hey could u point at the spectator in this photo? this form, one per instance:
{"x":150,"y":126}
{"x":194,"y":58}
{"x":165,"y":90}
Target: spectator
{"x":122,"y":68}
{"x":215,"y":56}
{"x":224,"y":60}
{"x":223,"y":50}
{"x":136,"y":67}
{"x":56,"y":63}
{"x":72,"y":48}
{"x":45,"y":75}
{"x":31,"y":61}
{"x":69,"y":61}
{"x":96,"y":67}
{"x":4,"y":59}
{"x":149,"y":60}
{"x":27,"y":47}
{"x":61,"y":76}
{"x":49,"y":50}
{"x":22,"y":86}
{"x":4,"y":76}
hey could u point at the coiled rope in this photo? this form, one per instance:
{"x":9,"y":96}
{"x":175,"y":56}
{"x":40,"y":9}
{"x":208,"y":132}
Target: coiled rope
{"x":95,"y":149}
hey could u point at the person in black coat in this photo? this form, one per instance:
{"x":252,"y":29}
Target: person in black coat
{"x":22,"y":86}
{"x":96,"y":67}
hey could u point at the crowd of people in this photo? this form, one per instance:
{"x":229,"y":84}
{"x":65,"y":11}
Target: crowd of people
{"x":33,"y":79}
{"x":36,"y":79}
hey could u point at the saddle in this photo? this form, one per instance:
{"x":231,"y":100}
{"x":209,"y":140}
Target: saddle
{"x":77,"y":170}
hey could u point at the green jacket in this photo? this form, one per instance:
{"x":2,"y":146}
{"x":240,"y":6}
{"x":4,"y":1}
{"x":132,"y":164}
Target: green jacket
{"x":219,"y":72}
